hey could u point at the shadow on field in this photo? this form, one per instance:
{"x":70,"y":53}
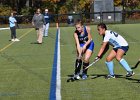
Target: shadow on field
{"x":94,"y":76}
{"x":105,"y":75}
{"x":128,"y":78}
{"x":70,"y":75}
{"x":134,"y":80}
{"x":36,"y":43}
{"x":98,"y":75}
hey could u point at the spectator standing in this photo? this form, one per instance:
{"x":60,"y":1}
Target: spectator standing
{"x":47,"y":22}
{"x":38,"y":22}
{"x":12,"y":23}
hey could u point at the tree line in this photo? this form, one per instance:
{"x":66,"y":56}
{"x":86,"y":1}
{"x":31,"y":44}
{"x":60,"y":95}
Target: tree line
{"x":28,"y":7}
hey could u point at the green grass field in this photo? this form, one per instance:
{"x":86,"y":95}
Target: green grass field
{"x":26,"y":68}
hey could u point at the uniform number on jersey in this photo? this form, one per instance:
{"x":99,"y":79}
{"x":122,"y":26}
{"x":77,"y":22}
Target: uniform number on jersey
{"x":115,"y":34}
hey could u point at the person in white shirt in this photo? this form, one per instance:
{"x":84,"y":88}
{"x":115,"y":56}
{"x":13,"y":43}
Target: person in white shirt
{"x":12,"y":23}
{"x":120,"y":47}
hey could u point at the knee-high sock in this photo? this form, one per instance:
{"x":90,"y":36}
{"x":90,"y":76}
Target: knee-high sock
{"x":78,"y":64}
{"x":125,"y":65}
{"x":84,"y":66}
{"x":110,"y":67}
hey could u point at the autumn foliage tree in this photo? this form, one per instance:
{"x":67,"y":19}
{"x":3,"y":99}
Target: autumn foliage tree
{"x":133,"y":4}
{"x":130,"y":4}
{"x":117,"y":2}
{"x":63,"y":6}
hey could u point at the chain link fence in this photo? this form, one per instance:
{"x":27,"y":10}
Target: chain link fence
{"x":112,"y":17}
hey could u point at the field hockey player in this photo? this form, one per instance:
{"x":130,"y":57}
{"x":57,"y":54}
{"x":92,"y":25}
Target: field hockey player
{"x":84,"y":48}
{"x":120,"y":47}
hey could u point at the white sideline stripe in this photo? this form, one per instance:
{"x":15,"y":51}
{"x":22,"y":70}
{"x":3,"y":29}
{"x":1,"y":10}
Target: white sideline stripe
{"x":4,"y":28}
{"x":58,"y":81}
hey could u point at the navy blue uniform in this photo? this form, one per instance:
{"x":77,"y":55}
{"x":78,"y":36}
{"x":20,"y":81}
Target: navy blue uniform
{"x":83,"y":38}
{"x":47,"y":18}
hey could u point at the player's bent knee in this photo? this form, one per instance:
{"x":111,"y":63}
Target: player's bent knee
{"x":86,"y":61}
{"x":108,"y":59}
{"x":118,"y":58}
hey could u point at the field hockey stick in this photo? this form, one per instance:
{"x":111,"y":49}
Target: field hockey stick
{"x":92,"y":63}
{"x":71,"y":79}
{"x":136,"y":65}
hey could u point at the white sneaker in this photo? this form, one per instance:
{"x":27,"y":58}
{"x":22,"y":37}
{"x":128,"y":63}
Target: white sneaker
{"x":13,"y":40}
{"x":110,"y":76}
{"x":17,"y":40}
{"x":77,"y":77}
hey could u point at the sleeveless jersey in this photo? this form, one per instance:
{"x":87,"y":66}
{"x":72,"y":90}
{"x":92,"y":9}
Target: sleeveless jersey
{"x":82,"y":37}
{"x":114,"y":39}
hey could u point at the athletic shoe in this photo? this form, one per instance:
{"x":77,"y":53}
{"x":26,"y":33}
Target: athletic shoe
{"x":84,"y":76}
{"x":130,"y":73}
{"x":17,"y":40}
{"x":110,"y":76}
{"x":45,"y":36}
{"x":77,"y":77}
{"x":13,"y":40}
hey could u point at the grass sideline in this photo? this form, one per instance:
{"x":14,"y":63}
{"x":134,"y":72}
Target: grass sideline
{"x":25,"y":68}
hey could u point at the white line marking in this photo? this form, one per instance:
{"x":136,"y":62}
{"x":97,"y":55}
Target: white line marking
{"x":14,"y":42}
{"x":4,"y":28}
{"x":58,"y":81}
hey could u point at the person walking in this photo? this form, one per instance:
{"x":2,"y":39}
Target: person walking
{"x":38,"y":22}
{"x":47,"y":22}
{"x":12,"y":24}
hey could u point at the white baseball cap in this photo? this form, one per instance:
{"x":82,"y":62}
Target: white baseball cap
{"x":46,"y":10}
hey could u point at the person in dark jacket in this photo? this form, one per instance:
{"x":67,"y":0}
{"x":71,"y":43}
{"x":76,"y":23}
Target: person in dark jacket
{"x":47,"y":22}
